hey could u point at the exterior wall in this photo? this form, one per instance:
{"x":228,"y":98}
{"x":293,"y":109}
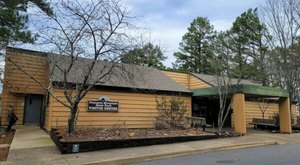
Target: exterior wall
{"x":187,"y":80}
{"x":252,"y":110}
{"x":136,"y":110}
{"x":36,"y":65}
{"x":197,"y":83}
{"x":47,"y":124}
{"x":47,"y":120}
{"x":17,"y":101}
{"x":16,"y":84}
{"x":181,"y":78}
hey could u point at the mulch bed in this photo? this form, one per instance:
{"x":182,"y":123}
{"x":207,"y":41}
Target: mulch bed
{"x":5,"y":138}
{"x":98,"y":134}
{"x":93,"y":139}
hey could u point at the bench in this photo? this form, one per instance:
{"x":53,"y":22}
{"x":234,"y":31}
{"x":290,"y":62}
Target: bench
{"x":198,"y":122}
{"x":265,"y":123}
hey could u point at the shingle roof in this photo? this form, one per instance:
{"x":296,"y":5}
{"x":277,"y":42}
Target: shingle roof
{"x":122,"y":75}
{"x":212,"y":80}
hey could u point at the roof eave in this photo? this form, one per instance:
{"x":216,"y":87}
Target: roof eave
{"x":242,"y":88}
{"x":137,"y":89}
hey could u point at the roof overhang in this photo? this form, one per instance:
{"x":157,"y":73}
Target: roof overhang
{"x":59,"y":84}
{"x":241,"y":88}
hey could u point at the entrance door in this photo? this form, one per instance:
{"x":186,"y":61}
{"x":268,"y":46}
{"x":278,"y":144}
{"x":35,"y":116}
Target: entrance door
{"x":33,"y":109}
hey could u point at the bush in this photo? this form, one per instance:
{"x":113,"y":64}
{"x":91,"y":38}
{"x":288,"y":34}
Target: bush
{"x":170,"y":113}
{"x":276,"y":117}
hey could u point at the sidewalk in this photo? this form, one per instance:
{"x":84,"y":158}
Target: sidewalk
{"x":49,"y":154}
{"x":30,"y":136}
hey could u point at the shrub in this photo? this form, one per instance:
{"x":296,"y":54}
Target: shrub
{"x":170,"y":113}
{"x":276,"y":117}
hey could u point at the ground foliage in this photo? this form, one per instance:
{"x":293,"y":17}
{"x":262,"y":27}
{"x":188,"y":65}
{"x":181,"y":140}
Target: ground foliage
{"x":170,"y":113}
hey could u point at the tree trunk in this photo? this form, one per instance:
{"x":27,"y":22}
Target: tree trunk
{"x":221,"y":120}
{"x":72,"y":119}
{"x":220,"y":114}
{"x":220,"y":127}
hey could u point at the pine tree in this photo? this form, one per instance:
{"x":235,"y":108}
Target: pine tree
{"x":148,"y":55}
{"x":13,"y":20}
{"x":249,"y":46}
{"x":196,"y":48}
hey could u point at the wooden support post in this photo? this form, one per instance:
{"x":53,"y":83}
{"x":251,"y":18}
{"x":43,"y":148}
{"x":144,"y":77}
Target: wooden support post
{"x":239,"y":113}
{"x":285,"y":115}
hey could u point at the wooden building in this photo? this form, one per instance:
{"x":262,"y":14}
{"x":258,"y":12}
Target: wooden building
{"x":136,"y":96}
{"x":245,"y":105}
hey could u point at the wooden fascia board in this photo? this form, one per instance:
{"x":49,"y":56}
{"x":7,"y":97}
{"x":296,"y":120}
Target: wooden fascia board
{"x":246,"y":89}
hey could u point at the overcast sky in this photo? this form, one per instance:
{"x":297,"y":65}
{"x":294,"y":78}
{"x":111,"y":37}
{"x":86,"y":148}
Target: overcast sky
{"x":168,"y":20}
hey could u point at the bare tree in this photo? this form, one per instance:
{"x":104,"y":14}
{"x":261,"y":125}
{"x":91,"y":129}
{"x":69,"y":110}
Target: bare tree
{"x":96,"y":30}
{"x":226,"y":87}
{"x":282,"y":19}
{"x":263,"y":104}
{"x":225,"y":84}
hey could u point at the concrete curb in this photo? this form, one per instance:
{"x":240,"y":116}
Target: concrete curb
{"x":141,"y":158}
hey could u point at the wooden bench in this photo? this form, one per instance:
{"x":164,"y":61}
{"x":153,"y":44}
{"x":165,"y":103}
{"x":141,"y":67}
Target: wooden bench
{"x":198,"y":122}
{"x":265,"y":123}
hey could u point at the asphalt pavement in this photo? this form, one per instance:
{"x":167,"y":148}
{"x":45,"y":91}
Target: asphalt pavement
{"x":31,"y":145}
{"x":285,"y":154}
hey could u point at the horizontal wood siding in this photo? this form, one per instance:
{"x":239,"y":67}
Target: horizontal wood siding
{"x":17,"y":101}
{"x":181,"y":78}
{"x":187,"y":80}
{"x":16,"y":81}
{"x":252,"y":110}
{"x":47,"y":119}
{"x":136,"y":110}
{"x":294,"y":114}
{"x":196,"y":83}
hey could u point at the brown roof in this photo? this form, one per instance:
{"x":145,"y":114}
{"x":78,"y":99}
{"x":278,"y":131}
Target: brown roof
{"x":122,"y":75}
{"x":212,"y":80}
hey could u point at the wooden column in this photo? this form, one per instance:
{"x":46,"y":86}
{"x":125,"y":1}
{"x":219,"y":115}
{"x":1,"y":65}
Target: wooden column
{"x":239,"y":113}
{"x":285,"y":115}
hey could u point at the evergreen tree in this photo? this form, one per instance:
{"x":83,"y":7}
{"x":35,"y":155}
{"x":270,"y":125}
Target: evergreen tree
{"x":196,"y":48}
{"x":13,"y":19}
{"x":249,"y":46}
{"x":148,"y":55}
{"x":222,"y":55}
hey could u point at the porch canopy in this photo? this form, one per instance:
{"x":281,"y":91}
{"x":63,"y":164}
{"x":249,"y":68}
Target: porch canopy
{"x":254,"y":91}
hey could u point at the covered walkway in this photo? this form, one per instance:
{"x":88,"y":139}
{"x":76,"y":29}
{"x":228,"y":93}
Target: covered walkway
{"x":239,"y":92}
